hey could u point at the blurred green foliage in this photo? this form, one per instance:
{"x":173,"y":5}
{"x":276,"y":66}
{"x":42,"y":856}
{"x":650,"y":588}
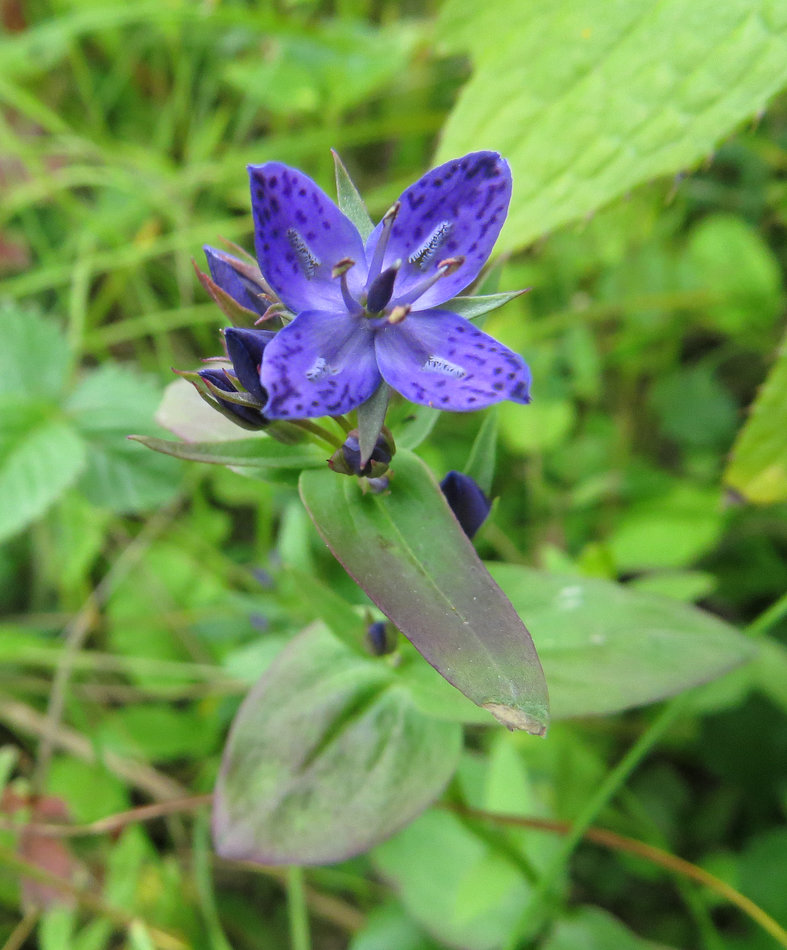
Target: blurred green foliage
{"x":650,"y":327}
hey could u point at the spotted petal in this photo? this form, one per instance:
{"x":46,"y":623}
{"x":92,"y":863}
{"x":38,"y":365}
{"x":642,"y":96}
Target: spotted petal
{"x":300,"y":235}
{"x":456,"y":210}
{"x":437,"y":358}
{"x":320,"y":364}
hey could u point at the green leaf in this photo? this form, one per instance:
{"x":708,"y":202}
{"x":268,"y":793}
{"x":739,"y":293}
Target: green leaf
{"x":591,"y":928}
{"x":605,"y":647}
{"x":669,"y":531}
{"x":758,"y":470}
{"x":481,"y":463}
{"x":262,"y":453}
{"x":350,"y":200}
{"x":108,"y":404}
{"x":34,"y":357}
{"x":416,"y":427}
{"x":407,"y":551}
{"x":729,"y":258}
{"x":40,"y":458}
{"x":471,"y":308}
{"x":326,"y":757}
{"x":589,"y":99}
{"x":453,"y":882}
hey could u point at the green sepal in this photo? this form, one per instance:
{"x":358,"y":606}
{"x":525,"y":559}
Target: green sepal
{"x":471,"y":308}
{"x":350,"y":201}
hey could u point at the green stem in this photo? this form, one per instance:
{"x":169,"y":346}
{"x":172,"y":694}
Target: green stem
{"x":323,"y":434}
{"x":297,"y":910}
{"x":768,"y":617}
{"x":532,"y":915}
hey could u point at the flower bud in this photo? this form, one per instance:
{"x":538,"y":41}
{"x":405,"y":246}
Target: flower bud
{"x":466,"y":500}
{"x":247,"y":414}
{"x":245,"y":349}
{"x":381,"y":638}
{"x":347,"y":459}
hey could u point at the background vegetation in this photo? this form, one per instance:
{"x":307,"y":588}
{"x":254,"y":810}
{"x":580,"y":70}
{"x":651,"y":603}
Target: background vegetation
{"x":141,"y":596}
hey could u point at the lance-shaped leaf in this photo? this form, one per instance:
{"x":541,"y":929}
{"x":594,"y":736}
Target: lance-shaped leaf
{"x":606,"y":647}
{"x":259,"y":453}
{"x":407,"y":551}
{"x":327,"y":756}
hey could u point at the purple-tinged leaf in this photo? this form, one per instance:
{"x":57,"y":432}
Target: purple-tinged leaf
{"x":436,"y":358}
{"x":300,"y":235}
{"x":409,"y":554}
{"x":321,"y":364}
{"x":455,"y":210}
{"x":326,"y":758}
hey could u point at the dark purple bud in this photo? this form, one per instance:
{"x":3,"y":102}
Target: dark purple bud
{"x":228,"y":273}
{"x":347,"y":459}
{"x":245,"y":349}
{"x":381,"y":290}
{"x":468,"y":503}
{"x":381,"y":638}
{"x":250,"y":417}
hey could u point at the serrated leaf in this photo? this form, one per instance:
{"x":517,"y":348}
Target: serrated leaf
{"x":588,"y":99}
{"x":108,"y":404}
{"x":39,"y":460}
{"x":408,"y":552}
{"x":262,"y":453}
{"x":758,"y":470}
{"x":326,"y":757}
{"x":350,"y":200}
{"x":34,"y":358}
{"x":605,"y":647}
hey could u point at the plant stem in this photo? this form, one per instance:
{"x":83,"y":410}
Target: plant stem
{"x":649,"y":852}
{"x":323,"y":434}
{"x":531,"y":917}
{"x":297,"y":910}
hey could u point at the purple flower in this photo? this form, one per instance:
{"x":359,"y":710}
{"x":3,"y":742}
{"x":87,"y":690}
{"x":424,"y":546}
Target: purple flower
{"x":354,"y":301}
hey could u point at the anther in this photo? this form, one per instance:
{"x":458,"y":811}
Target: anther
{"x":398,"y":314}
{"x":449,"y":266}
{"x":340,"y":270}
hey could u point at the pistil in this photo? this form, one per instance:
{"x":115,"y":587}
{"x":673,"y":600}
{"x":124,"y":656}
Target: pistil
{"x":382,"y":243}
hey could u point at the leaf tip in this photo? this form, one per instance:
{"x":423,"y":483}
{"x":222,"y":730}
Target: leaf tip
{"x":513,"y":718}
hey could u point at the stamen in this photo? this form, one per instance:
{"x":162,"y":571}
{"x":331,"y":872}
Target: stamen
{"x":427,"y":252}
{"x":398,"y":314}
{"x":379,"y":252}
{"x":444,"y":268}
{"x":308,"y":261}
{"x":340,"y":270}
